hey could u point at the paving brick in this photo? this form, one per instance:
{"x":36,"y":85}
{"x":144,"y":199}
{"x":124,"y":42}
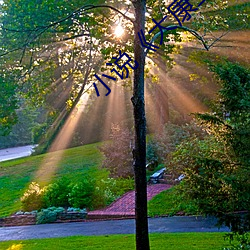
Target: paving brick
{"x":125,"y":205}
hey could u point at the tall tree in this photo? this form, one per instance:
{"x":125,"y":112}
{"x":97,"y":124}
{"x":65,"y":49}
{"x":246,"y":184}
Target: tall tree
{"x":139,"y":151}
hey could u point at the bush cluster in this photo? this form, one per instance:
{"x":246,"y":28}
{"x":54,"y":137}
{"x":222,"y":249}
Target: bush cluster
{"x":84,"y":194}
{"x":61,"y":193}
{"x":51,"y":214}
{"x":33,"y":197}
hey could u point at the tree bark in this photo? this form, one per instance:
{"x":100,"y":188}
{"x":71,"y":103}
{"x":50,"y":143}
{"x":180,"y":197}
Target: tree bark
{"x":139,"y":151}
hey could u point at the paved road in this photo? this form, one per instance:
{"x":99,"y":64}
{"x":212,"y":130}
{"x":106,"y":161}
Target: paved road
{"x":14,"y":153}
{"x":156,"y":225}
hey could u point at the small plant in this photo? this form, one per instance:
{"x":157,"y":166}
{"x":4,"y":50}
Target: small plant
{"x":118,"y":158}
{"x":57,"y":193}
{"x":243,"y":242}
{"x":48,"y":215}
{"x":103,"y":195}
{"x":76,"y":210}
{"x":81,"y":194}
{"x":33,"y":197}
{"x":109,"y":189}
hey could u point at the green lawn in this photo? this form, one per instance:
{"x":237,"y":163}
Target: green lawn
{"x":16,"y":175}
{"x":169,"y":202}
{"x":172,"y":241}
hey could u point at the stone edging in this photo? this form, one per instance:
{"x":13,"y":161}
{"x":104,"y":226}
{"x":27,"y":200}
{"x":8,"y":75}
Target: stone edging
{"x":30,"y":219}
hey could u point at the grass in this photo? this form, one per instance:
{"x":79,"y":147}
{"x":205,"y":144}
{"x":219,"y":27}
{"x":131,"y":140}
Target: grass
{"x":16,"y":175}
{"x":169,"y":203}
{"x":170,"y":241}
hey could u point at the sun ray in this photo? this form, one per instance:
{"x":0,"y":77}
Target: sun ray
{"x":51,"y":162}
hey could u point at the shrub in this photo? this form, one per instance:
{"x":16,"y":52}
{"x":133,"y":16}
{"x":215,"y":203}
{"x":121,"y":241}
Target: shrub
{"x":243,"y":242}
{"x":166,"y":141}
{"x":57,"y":193}
{"x":81,"y":194}
{"x":33,"y":197}
{"x":152,"y":155}
{"x":118,"y":153}
{"x":48,"y":215}
{"x":103,"y":194}
{"x":123,"y":185}
{"x":38,"y":131}
{"x":109,"y":189}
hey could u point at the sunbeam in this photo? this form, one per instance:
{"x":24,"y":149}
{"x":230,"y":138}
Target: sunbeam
{"x":168,"y":100}
{"x":51,"y":161}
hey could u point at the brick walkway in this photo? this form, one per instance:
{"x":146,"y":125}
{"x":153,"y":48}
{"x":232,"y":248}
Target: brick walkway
{"x":124,"y":207}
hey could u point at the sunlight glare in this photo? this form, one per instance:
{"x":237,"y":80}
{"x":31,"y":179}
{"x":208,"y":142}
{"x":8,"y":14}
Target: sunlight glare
{"x":119,"y":31}
{"x":51,"y":161}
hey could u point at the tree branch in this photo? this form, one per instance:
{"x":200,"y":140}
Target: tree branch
{"x":193,"y":32}
{"x":87,"y":8}
{"x":112,"y":8}
{"x":72,"y":37}
{"x":42,"y":29}
{"x":76,"y":12}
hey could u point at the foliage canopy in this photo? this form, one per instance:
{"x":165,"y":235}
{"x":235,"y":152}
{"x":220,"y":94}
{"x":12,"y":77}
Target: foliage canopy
{"x":217,"y":168}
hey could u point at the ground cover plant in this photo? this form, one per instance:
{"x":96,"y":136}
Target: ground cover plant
{"x":172,"y":241}
{"x":48,"y":215}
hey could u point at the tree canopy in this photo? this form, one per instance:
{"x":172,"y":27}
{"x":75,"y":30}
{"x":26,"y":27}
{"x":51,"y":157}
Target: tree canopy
{"x":56,"y":43}
{"x":216,"y":168}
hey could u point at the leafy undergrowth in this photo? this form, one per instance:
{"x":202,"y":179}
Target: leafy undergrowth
{"x":237,"y":15}
{"x":173,"y":241}
{"x":74,"y":164}
{"x":170,"y":203}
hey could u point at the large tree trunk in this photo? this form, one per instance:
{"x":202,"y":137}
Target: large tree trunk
{"x":139,"y":152}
